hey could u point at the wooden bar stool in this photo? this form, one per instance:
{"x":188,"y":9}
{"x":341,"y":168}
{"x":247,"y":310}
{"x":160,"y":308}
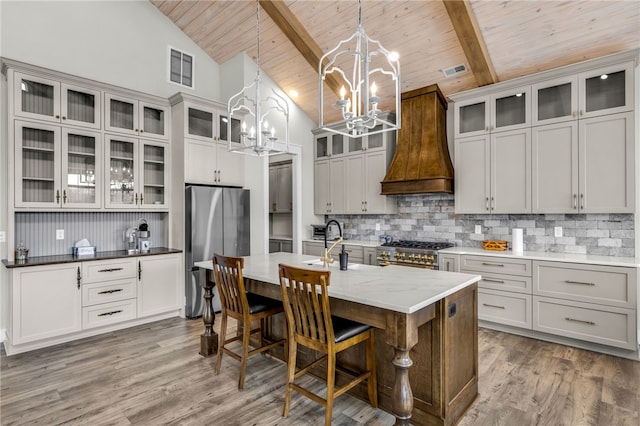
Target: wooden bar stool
{"x":306,"y":305}
{"x":244,"y":307}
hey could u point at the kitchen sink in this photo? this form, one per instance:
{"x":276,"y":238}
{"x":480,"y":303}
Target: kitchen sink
{"x":335,"y":264}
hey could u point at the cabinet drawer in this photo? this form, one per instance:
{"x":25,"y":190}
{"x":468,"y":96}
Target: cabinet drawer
{"x":585,"y":321}
{"x":108,"y":313}
{"x":108,"y":270}
{"x":496,"y":265}
{"x":505,"y":308}
{"x":111,"y":291}
{"x":608,"y":285}
{"x":504,"y":282}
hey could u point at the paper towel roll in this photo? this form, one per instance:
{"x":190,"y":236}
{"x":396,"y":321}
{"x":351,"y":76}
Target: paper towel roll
{"x":516,"y":241}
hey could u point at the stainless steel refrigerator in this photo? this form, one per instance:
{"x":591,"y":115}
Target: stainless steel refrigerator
{"x":217,"y":221}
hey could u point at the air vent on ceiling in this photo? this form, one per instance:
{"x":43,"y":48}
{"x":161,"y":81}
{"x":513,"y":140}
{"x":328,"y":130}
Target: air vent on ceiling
{"x":458,"y":69}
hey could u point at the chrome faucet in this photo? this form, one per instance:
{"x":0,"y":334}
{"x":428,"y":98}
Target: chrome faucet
{"x":326,"y":254}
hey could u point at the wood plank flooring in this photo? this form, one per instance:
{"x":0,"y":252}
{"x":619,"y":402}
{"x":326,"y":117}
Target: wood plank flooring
{"x":153,"y":375}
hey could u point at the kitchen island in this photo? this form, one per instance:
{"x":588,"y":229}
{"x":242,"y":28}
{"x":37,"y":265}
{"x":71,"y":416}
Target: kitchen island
{"x":426,"y":329}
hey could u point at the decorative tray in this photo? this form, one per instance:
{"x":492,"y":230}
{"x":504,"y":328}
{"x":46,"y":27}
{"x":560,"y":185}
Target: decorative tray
{"x":497,"y":245}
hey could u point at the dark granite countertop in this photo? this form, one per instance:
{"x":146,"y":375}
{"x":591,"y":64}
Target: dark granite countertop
{"x":68,"y":258}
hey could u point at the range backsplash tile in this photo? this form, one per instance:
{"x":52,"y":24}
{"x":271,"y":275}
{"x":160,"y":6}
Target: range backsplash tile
{"x":432,"y":217}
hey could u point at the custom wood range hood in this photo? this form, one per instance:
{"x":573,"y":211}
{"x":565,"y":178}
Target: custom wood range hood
{"x":421,"y":163}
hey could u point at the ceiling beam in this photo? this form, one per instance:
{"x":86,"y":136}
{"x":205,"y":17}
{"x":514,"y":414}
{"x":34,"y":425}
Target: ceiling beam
{"x":466,"y":27}
{"x":301,"y":39}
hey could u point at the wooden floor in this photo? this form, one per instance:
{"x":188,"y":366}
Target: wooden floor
{"x":153,"y":375}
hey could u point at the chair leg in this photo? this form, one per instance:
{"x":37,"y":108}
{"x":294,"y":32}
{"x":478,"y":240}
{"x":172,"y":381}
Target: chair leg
{"x":291,"y":371}
{"x":262,"y":329}
{"x":246,"y":333}
{"x":223,"y":336}
{"x":331,"y":378}
{"x":372,"y":381}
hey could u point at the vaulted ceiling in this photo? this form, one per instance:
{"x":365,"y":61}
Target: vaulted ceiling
{"x":495,"y":40}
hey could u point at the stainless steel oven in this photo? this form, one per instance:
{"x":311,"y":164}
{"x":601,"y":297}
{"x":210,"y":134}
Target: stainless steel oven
{"x":417,"y":254}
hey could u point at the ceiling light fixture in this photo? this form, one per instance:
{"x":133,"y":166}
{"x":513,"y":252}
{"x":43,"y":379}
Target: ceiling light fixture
{"x":370,"y":61}
{"x":260,"y":140}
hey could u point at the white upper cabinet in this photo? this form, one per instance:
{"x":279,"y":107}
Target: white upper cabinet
{"x":606,"y":90}
{"x":136,"y":117}
{"x":57,"y":167}
{"x":327,"y":145}
{"x":54,"y":101}
{"x":137,"y":172}
{"x":504,"y":111}
{"x":555,"y":101}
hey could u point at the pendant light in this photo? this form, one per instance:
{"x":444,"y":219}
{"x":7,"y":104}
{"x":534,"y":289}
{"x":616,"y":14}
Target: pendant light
{"x":259,"y":115}
{"x":374,"y":67}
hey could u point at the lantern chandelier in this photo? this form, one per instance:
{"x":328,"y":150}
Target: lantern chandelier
{"x":371,"y":61}
{"x":260,"y":139}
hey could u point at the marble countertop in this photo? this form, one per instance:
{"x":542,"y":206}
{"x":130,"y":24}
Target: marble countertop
{"x":68,"y":258}
{"x":396,"y":288}
{"x":631,"y":262}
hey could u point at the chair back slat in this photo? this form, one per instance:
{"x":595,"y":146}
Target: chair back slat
{"x":227,"y":271}
{"x":306,"y":302}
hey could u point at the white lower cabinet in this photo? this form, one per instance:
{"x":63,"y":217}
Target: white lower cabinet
{"x":505,"y":308}
{"x":108,"y":313}
{"x":449,"y":262}
{"x":46,"y":302}
{"x":158,"y":289}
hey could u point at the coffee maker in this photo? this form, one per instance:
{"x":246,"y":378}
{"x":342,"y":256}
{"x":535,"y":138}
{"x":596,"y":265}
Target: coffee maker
{"x":143,"y":234}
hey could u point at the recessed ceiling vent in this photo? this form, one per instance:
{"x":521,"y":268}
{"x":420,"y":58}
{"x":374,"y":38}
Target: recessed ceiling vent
{"x":458,"y":69}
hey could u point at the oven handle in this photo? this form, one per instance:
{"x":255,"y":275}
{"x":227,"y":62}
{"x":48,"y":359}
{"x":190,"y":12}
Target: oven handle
{"x":384,"y":263}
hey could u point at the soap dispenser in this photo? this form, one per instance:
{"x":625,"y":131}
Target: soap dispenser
{"x":344,"y":259}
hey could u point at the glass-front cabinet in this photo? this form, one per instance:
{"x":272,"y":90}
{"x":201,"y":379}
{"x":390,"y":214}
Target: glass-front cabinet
{"x":329,"y":145}
{"x":555,"y":100}
{"x":606,"y":90}
{"x":57,"y":167}
{"x":134,"y":117}
{"x":49,"y":100}
{"x":137,"y":173}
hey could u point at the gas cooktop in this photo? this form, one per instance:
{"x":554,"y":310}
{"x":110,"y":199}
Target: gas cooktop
{"x":424,"y":245}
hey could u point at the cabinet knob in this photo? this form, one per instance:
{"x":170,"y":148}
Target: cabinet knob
{"x":573,"y":114}
{"x":64,"y":118}
{"x":141,"y":131}
{"x":57,"y":116}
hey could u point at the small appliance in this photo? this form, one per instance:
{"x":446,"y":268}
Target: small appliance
{"x":318,"y":232}
{"x":143,"y":234}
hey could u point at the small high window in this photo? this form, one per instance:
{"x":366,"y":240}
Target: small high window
{"x":181,"y":68}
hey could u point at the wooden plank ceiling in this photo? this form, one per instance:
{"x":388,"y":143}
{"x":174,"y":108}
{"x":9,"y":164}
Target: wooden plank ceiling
{"x":495,"y":40}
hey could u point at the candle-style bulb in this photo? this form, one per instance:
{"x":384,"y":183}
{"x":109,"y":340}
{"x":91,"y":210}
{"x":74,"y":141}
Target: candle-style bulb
{"x":252,"y":132}
{"x":343,"y":92}
{"x":273,"y":132}
{"x":266,"y":125}
{"x":374,"y":89}
{"x":244,"y":126}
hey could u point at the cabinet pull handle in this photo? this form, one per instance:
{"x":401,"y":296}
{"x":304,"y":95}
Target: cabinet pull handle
{"x":110,"y":270}
{"x":579,"y":320}
{"x":57,"y":196}
{"x":64,"y":196}
{"x":136,"y":198}
{"x":139,"y":270}
{"x":141,"y":198}
{"x":579,"y":282}
{"x":366,"y":206}
{"x":110,"y":291}
{"x":581,"y":113}
{"x":486,"y":203}
{"x":573,"y":114}
{"x":582,"y":201}
{"x":78,"y":278}
{"x":492,"y":264}
{"x":110,"y":313}
{"x":575,"y":201}
{"x":493,"y":204}
{"x":492,"y":280}
{"x":493,"y":306}
{"x":448,"y":268}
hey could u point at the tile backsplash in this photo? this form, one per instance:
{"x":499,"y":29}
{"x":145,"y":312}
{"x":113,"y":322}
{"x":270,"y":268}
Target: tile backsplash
{"x":102,"y":229}
{"x":431,"y":217}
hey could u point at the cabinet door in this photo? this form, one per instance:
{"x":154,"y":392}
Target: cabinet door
{"x":154,"y":121}
{"x":355,"y":145}
{"x":154,"y":175}
{"x":337,"y":145}
{"x":273,"y":190}
{"x":337,"y":185}
{"x":376,"y":142}
{"x":511,"y":172}
{"x":321,"y":187}
{"x":230,"y":166}
{"x":606,"y":90}
{"x":199,"y":122}
{"x":121,"y":172}
{"x":369,"y":254}
{"x":472,"y":117}
{"x":80,"y":106}
{"x":200,"y":161}
{"x":554,"y":168}
{"x":375,"y":166}
{"x":321,"y":147}
{"x":158,"y":284}
{"x":47,"y":302}
{"x":511,"y":110}
{"x":121,"y":114}
{"x":37,"y":165}
{"x":82,"y":178}
{"x":449,"y":262}
{"x":472,"y":185}
{"x":555,"y":100}
{"x":229,"y":131}
{"x":36,"y":97}
{"x":606,"y":168}
{"x":354,"y":185}
{"x":284,"y":199}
